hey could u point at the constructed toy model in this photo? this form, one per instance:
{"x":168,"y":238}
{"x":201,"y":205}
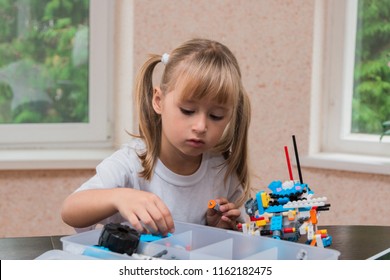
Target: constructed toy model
{"x":288,"y":211}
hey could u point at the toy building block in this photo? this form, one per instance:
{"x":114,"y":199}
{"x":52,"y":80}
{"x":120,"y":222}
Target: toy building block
{"x":212,"y":204}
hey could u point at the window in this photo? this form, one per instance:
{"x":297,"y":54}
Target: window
{"x":371,"y":90}
{"x":55,"y":83}
{"x":54,"y":73}
{"x":347,"y":113}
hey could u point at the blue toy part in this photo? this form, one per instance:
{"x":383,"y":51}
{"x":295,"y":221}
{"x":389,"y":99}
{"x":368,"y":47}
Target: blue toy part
{"x":152,"y":237}
{"x":100,"y":252}
{"x":275,"y":186}
{"x":260,"y":207}
{"x":277,"y":209}
{"x":283,"y":200}
{"x":327,"y":241}
{"x":276,"y":223}
{"x":276,"y":227}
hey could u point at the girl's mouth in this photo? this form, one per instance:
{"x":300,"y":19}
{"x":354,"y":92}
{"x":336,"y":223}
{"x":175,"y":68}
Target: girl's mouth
{"x":196,"y":143}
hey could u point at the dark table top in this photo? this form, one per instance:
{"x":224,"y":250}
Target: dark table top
{"x":353,"y":242}
{"x":359,"y":242}
{"x":27,"y":248}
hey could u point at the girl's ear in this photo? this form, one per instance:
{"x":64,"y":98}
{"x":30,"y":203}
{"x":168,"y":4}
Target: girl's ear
{"x":157,"y":100}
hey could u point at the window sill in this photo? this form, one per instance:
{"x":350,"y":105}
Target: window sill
{"x":348,"y":162}
{"x":52,"y":159}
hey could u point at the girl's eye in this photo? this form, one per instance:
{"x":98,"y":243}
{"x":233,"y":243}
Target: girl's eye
{"x":186,"y":112}
{"x":216,"y":118}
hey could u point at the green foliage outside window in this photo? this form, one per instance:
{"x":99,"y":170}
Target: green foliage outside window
{"x":44,"y":61}
{"x":371,"y":100}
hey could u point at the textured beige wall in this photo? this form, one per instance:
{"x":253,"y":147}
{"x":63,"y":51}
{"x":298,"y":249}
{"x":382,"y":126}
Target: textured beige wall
{"x":273,"y":43}
{"x":30,"y":201}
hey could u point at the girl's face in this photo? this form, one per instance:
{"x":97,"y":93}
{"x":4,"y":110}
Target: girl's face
{"x":189,"y":127}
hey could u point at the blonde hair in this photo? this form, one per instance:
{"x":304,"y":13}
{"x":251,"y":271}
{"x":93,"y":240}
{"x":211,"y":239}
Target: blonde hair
{"x":199,"y":68}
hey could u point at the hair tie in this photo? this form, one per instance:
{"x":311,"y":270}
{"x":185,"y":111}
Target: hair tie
{"x":165,"y":58}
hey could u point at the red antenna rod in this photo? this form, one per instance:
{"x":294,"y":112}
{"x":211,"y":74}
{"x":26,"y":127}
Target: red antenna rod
{"x":288,"y":163}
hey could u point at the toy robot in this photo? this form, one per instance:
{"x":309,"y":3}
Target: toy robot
{"x":288,"y":211}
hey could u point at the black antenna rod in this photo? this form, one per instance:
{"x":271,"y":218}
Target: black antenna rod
{"x":297,"y":159}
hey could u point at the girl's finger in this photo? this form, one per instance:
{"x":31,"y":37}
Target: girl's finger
{"x":147,"y":221}
{"x":222,"y":200}
{"x":135,"y":222}
{"x":227,"y":207}
{"x":158,"y":219}
{"x":166,"y":214}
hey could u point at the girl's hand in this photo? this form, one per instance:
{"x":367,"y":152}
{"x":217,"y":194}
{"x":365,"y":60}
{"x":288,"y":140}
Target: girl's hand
{"x":145,"y":211}
{"x":226,"y":216}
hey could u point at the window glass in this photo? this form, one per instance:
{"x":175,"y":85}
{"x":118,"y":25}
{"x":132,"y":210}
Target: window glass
{"x":371,"y":90}
{"x":44,"y":61}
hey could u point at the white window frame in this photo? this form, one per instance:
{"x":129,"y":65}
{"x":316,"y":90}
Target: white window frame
{"x":64,"y":146}
{"x":331,"y":145}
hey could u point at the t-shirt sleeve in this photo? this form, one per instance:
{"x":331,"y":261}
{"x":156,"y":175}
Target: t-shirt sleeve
{"x":120,"y":170}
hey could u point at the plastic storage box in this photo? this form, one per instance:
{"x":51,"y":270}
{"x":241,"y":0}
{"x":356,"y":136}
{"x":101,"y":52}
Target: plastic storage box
{"x":192,"y":241}
{"x":62,"y":255}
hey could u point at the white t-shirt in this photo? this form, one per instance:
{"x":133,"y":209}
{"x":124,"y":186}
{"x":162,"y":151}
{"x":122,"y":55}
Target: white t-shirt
{"x":185,"y":196}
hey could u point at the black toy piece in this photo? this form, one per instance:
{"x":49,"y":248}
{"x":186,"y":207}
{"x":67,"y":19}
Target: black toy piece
{"x":119,"y":238}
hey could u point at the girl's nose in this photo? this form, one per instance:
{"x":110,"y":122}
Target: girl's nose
{"x":200,"y":124}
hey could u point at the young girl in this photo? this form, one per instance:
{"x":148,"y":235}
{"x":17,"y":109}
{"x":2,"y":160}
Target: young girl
{"x":192,"y":147}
